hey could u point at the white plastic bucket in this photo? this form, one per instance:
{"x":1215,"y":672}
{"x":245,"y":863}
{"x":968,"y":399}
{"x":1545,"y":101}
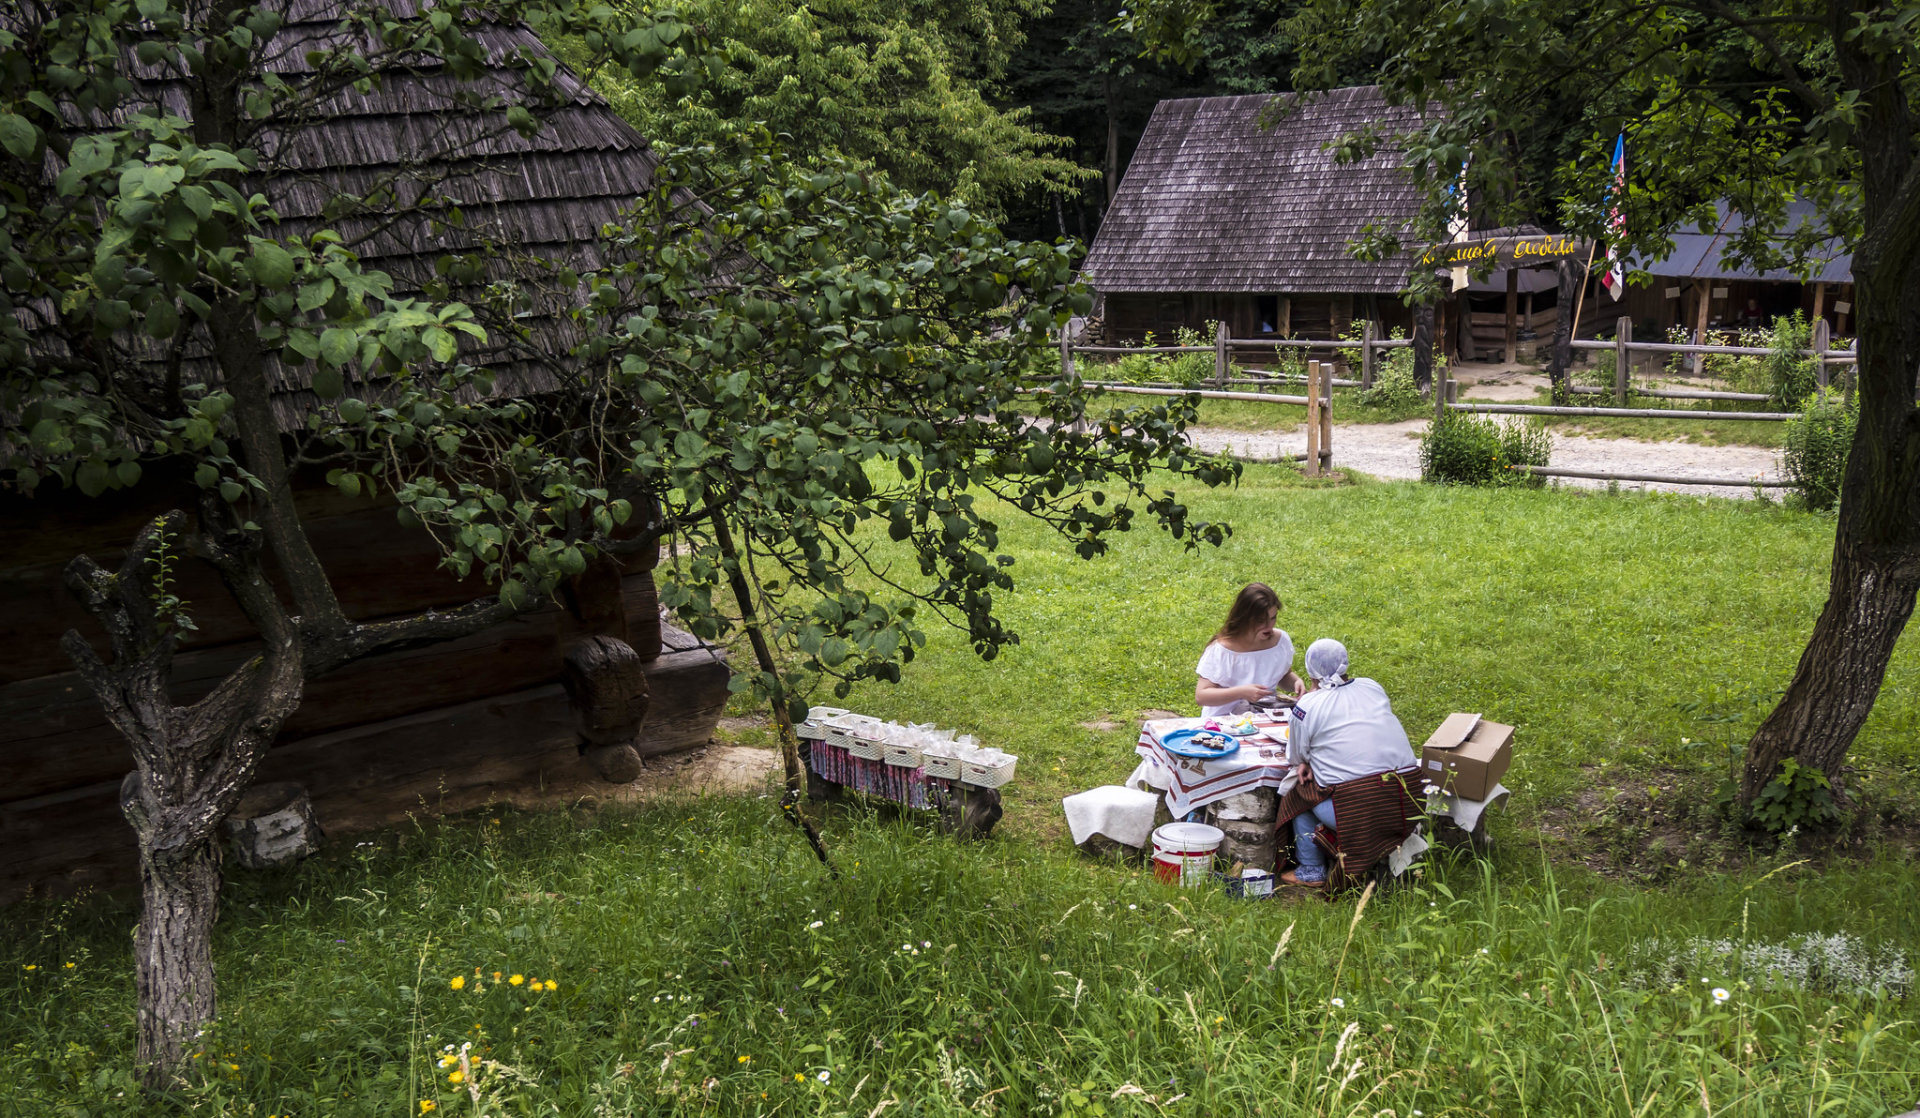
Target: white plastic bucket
{"x":1183,"y":852}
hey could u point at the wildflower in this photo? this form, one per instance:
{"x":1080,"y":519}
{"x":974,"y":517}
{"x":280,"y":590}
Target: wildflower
{"x":459,"y":982}
{"x":233,"y":1067}
{"x":798,"y":1078}
{"x":552,"y":985}
{"x":1337,"y":1003}
{"x":926,"y":943}
{"x":31,"y":966}
{"x":69,"y":966}
{"x":517,"y":979}
{"x":1720,"y":995}
{"x":816,"y":924}
{"x":824,"y":1076}
{"x":1219,"y":1020}
{"x":496,"y":976}
{"x":743,"y":1059}
{"x":1131,"y":907}
{"x":447,"y":1061}
{"x":456,"y":1076}
{"x":428,"y":1106}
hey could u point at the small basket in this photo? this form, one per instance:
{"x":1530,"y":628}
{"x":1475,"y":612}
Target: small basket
{"x":901,"y":756}
{"x":982,"y":775}
{"x":865,"y":748}
{"x":840,"y":731}
{"x":946,"y":768}
{"x":815,"y":728}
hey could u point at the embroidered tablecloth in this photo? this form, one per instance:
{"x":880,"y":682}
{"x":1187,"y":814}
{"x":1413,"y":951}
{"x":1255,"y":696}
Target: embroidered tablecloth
{"x":1190,"y":783}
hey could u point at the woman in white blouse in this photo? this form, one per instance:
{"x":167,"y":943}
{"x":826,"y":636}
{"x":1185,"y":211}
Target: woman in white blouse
{"x":1248,"y":659}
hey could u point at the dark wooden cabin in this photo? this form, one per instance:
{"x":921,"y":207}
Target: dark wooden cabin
{"x":1223,"y":218}
{"x":445,"y":727}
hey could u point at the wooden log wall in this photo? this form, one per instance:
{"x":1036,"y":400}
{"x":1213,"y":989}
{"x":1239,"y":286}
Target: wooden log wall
{"x":445,"y":726}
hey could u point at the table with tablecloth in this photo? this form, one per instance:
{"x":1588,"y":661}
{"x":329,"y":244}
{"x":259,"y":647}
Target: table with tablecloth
{"x":1190,"y":783}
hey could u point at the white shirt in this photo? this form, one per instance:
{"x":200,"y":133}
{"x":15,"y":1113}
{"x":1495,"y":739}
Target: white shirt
{"x":1228,"y":668}
{"x":1348,"y":732}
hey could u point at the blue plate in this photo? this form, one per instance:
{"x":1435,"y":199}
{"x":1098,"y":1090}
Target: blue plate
{"x":1201,"y":745}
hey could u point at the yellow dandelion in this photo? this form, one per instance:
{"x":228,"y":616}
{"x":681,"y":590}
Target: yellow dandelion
{"x":456,"y":1076}
{"x":70,"y":966}
{"x":552,"y":985}
{"x":459,"y":982}
{"x":427,"y":1105}
{"x":31,"y":966}
{"x":744,"y":1059}
{"x":1218,"y":1020}
{"x":233,"y":1067}
{"x":517,"y":979}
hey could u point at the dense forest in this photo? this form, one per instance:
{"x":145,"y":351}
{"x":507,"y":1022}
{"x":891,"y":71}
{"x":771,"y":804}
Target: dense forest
{"x":1025,"y":110}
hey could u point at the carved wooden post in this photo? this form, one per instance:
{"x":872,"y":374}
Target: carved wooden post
{"x":606,"y":684}
{"x":1366,"y":355}
{"x":1423,"y":346}
{"x":1313,"y":419}
{"x":1326,"y":413}
{"x":1622,"y":360}
{"x":1066,"y":353}
{"x":1220,"y":361}
{"x":1822,"y":341}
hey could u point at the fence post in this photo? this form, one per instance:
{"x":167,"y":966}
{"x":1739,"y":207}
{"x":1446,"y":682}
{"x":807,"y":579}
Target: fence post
{"x":1622,"y":359}
{"x":1313,"y":419}
{"x":1326,"y":413}
{"x":1220,"y":355}
{"x":1442,"y":376}
{"x":1822,"y":339}
{"x":1066,"y":353}
{"x":1366,"y":355}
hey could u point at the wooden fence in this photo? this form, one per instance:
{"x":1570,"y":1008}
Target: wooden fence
{"x":1225,"y":345}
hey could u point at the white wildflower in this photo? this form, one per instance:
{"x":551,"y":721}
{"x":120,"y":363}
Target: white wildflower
{"x":1720,"y":995}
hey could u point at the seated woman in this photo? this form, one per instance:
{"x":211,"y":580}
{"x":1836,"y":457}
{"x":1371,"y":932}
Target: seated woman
{"x":1344,"y":731}
{"x":1248,"y":658}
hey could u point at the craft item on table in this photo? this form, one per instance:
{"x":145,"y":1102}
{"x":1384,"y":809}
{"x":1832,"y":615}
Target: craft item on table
{"x":1201,"y":744}
{"x":1124,"y":815}
{"x":1240,"y":726}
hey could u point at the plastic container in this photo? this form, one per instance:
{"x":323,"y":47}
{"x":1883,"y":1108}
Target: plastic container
{"x":988,"y":774}
{"x":901,"y":756}
{"x":1183,"y":852}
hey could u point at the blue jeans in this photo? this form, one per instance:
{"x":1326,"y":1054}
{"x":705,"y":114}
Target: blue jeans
{"x":1312,"y":859}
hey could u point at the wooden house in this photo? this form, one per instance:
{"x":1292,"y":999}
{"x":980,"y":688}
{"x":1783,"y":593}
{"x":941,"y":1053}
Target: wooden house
{"x":1223,"y":216}
{"x":1697,"y":286}
{"x":447,"y":726}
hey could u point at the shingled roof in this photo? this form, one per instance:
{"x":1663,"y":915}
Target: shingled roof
{"x":420,"y":165}
{"x":1214,"y":202}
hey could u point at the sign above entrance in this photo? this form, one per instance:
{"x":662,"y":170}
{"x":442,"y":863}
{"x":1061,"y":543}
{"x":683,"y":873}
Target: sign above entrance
{"x":1505,"y":252}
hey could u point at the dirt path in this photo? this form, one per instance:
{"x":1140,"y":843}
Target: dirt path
{"x":1392,"y":450}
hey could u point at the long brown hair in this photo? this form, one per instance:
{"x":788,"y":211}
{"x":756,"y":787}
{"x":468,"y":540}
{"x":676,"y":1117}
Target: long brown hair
{"x":1250,"y":608}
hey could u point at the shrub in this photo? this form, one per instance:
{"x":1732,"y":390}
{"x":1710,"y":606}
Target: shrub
{"x":1789,"y":373}
{"x":1393,"y":385}
{"x":1465,"y":449}
{"x":1183,"y":369}
{"x":1818,"y":442}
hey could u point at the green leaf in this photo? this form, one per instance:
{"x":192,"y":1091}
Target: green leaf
{"x":91,"y":477}
{"x":271,"y":266}
{"x":230,"y":491}
{"x":440,"y":343}
{"x":327,"y":382}
{"x":338,"y":344}
{"x":128,"y":474}
{"x":18,"y":135}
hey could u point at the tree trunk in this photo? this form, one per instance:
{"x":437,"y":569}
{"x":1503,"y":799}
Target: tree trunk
{"x":173,"y":950}
{"x":1423,"y":346}
{"x":1876,"y":548}
{"x":1560,"y":355}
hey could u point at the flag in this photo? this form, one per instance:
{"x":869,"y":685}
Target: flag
{"x":1616,"y":277}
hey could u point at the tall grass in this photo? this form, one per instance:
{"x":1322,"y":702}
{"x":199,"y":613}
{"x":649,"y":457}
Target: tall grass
{"x":704,"y":965}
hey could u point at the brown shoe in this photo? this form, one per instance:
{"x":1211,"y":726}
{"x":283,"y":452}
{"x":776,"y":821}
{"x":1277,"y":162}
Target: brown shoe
{"x":1291,"y":878}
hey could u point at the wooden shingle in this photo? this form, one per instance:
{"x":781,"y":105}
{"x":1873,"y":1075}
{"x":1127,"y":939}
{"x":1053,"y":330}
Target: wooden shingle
{"x":1214,"y":202}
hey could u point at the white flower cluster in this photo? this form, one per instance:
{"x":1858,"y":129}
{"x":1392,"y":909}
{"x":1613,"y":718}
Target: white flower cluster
{"x":1828,"y":964}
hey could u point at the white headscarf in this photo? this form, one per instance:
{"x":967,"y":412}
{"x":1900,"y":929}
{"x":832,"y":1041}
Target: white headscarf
{"x":1327,"y":662}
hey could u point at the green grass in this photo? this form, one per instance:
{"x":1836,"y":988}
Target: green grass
{"x":1632,"y":640}
{"x":705,"y":965}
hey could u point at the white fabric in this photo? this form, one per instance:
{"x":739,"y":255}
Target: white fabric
{"x":1189,"y":783}
{"x":1327,"y":662}
{"x":1402,"y":856}
{"x":1124,"y":815}
{"x":1228,"y":668}
{"x":1465,"y":813}
{"x":1348,"y":732}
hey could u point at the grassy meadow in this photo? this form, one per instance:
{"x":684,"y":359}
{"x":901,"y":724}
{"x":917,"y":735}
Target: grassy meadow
{"x":1621,"y":953}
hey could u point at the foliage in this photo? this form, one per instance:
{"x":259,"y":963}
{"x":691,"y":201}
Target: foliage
{"x":1798,"y":797}
{"x":696,"y":965}
{"x":905,"y":89}
{"x":1818,"y":443}
{"x":1186,"y":370}
{"x":1790,"y":374}
{"x":1461,"y":448}
{"x":1393,"y":388}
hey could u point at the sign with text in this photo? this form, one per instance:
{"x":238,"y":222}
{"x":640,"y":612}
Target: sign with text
{"x":1505,"y":252}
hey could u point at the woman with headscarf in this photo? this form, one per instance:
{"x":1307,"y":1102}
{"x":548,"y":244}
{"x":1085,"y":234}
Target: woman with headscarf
{"x":1343,"y":733}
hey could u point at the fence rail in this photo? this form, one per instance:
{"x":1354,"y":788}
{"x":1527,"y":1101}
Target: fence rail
{"x":1631,"y":413}
{"x":1665,"y":479}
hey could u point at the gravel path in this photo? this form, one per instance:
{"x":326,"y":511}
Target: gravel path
{"x":1392,"y":450}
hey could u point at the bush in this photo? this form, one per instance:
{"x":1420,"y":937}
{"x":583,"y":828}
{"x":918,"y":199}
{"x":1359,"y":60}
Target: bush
{"x":1187,"y":370}
{"x":1393,"y":385}
{"x":1789,"y":374}
{"x":1818,"y":442}
{"x":1465,"y":449}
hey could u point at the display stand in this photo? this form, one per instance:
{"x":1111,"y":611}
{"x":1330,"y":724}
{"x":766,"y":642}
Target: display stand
{"x":966,"y":810}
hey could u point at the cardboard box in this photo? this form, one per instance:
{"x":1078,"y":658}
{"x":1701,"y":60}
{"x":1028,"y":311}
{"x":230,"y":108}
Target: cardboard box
{"x":1467,"y":755}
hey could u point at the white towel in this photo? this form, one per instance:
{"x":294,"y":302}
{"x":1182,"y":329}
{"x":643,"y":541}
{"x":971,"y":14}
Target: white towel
{"x":1124,"y":815}
{"x":1465,"y":813}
